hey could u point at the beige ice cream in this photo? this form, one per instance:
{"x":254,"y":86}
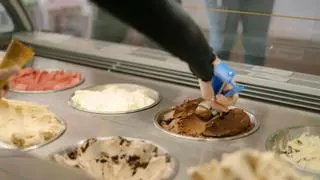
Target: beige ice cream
{"x":304,"y":152}
{"x":112,"y":98}
{"x":118,"y":159}
{"x":24,"y":124}
{"x":246,"y":165}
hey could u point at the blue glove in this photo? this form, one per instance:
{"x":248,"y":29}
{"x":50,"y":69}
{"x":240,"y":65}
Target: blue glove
{"x":223,"y":73}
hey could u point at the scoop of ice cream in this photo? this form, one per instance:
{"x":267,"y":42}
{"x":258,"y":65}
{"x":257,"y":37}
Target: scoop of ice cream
{"x":118,"y":159}
{"x":304,"y":152}
{"x":24,"y":124}
{"x":187,"y":119}
{"x":246,"y":165}
{"x":112,"y":99}
{"x":230,"y":123}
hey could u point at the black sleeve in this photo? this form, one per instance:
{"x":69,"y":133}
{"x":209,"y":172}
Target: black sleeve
{"x":166,"y":23}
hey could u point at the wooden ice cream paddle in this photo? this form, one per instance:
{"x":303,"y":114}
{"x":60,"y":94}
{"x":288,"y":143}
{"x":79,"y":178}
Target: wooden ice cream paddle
{"x":16,"y":54}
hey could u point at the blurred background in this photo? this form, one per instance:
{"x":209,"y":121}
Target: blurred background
{"x":283,"y":34}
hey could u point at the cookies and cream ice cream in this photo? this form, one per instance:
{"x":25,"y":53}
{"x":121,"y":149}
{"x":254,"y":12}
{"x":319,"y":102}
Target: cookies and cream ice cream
{"x":185,"y":120}
{"x":304,"y":152}
{"x":246,"y":165}
{"x":24,"y":124}
{"x":112,"y":98}
{"x":118,"y":159}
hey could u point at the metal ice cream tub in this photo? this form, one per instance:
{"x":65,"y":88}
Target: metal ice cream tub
{"x":278,"y":141}
{"x":173,"y":163}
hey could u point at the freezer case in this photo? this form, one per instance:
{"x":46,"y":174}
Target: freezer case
{"x":278,"y":100}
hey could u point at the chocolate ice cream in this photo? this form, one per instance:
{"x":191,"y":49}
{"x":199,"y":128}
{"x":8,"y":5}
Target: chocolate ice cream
{"x":185,"y":120}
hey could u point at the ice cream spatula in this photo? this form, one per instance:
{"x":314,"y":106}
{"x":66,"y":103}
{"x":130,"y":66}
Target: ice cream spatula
{"x":223,"y":75}
{"x":204,"y":106}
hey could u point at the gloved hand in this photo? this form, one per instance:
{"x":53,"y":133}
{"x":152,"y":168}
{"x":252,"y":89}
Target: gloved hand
{"x":5,"y":74}
{"x":219,"y":102}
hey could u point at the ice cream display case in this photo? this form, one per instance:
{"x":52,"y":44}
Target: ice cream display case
{"x":270,"y":109}
{"x":152,"y":131}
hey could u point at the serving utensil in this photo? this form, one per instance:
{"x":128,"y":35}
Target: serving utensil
{"x":223,"y":75}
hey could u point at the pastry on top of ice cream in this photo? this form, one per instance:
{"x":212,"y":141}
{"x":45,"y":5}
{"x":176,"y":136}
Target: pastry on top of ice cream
{"x":184,"y":119}
{"x":304,"y":152}
{"x":29,"y":79}
{"x":246,"y":165}
{"x":113,"y":98}
{"x":118,"y":159}
{"x":24,"y":124}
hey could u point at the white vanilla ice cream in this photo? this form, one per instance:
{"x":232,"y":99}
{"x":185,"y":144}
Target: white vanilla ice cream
{"x":246,"y":165}
{"x":113,"y":98}
{"x":304,"y":152}
{"x":24,"y":124}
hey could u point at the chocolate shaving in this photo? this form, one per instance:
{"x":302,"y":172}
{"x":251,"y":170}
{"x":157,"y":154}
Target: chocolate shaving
{"x":87,"y":143}
{"x":123,"y":140}
{"x":72,"y":155}
{"x":115,"y":159}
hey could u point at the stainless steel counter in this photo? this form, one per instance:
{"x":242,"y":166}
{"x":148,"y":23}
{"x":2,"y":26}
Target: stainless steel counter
{"x":81,"y":125}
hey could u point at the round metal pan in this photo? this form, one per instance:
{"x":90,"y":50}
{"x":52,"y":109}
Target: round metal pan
{"x":255,"y":124}
{"x":10,"y":146}
{"x":278,"y":141}
{"x":174,"y":165}
{"x":50,"y":91}
{"x":155,"y":95}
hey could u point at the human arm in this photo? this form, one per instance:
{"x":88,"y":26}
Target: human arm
{"x":170,"y":26}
